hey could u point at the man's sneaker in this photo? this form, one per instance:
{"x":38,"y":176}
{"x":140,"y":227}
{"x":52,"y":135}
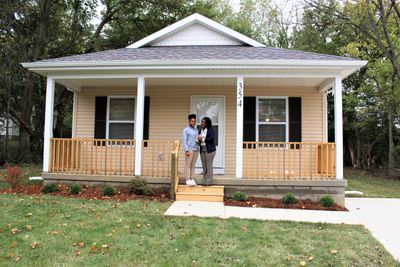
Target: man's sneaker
{"x":193,"y":182}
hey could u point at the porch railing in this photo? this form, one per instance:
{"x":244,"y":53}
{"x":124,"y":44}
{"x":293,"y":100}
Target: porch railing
{"x":110,"y":157}
{"x":289,"y":160}
{"x":92,"y":156}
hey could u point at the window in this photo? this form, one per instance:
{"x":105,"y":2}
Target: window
{"x":121,"y":118}
{"x":272,"y":119}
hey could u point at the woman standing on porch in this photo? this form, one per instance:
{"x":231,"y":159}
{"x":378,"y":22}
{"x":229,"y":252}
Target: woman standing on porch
{"x":207,"y":149}
{"x":189,"y":140}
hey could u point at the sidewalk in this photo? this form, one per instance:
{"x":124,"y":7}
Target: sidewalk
{"x":380,"y":216}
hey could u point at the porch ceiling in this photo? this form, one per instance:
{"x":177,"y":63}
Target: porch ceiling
{"x":77,"y":84}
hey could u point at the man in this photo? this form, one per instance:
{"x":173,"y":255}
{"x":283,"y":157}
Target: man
{"x":189,"y":140}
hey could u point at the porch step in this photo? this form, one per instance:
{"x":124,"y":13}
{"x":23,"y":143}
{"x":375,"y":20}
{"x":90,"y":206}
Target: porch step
{"x":200,"y":193}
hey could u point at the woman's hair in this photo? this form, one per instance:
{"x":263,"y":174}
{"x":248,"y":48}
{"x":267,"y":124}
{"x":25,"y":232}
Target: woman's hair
{"x":208,"y":122}
{"x":191,"y":116}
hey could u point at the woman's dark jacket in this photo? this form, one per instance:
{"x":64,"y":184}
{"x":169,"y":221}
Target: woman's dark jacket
{"x":210,"y":140}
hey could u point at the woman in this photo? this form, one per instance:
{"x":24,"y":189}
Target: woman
{"x":189,"y":140}
{"x":207,"y":149}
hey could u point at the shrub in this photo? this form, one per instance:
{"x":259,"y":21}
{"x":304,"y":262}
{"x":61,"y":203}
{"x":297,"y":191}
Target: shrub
{"x":75,"y":189}
{"x":14,"y":176}
{"x":50,"y":188}
{"x":239,"y":196}
{"x":109,"y":191}
{"x":327,"y":201}
{"x":139,"y":186}
{"x":289,"y":198}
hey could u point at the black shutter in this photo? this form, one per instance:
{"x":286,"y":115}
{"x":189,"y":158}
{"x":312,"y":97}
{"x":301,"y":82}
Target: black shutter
{"x":294,"y":119}
{"x":100,"y":119}
{"x":249,"y":119}
{"x":146,"y":121}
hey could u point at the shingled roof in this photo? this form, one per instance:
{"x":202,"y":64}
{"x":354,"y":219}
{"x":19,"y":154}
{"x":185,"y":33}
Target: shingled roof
{"x":171,"y":53}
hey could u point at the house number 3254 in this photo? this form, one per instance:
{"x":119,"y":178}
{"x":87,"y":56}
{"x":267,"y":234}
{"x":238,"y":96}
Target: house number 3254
{"x":240,"y":94}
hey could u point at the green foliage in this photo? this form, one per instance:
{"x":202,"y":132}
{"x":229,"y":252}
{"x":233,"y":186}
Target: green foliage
{"x":327,"y":201}
{"x":50,"y":188}
{"x":239,"y":196}
{"x":109,"y":191}
{"x":75,"y":189}
{"x":289,"y":198}
{"x":139,"y":186}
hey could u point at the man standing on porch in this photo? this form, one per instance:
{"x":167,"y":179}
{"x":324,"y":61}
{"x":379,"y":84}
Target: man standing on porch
{"x":189,"y":140}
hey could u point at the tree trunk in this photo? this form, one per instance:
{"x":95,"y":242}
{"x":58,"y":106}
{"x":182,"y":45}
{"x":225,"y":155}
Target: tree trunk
{"x":353,"y":156}
{"x":390,"y":140}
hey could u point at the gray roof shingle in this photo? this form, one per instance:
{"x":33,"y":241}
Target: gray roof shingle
{"x":196,"y":53}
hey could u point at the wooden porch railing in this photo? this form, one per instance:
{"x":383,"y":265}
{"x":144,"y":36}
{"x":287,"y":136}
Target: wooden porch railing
{"x":110,"y":157}
{"x":175,"y":169}
{"x":289,"y":161}
{"x":92,"y":156}
{"x":156,"y":159}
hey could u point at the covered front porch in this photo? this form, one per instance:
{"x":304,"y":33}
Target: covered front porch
{"x":172,"y":97}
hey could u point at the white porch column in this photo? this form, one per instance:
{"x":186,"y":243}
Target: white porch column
{"x":139,"y":124}
{"x":338,"y":127}
{"x":239,"y":126}
{"x":325,"y":115}
{"x":48,"y":123}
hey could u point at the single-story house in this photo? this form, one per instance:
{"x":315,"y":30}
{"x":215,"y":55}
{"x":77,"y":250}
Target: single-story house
{"x":268,"y":105}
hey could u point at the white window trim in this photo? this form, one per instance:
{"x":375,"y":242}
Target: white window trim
{"x":286,"y":123}
{"x":118,"y":121}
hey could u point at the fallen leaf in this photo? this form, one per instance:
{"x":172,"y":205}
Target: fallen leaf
{"x":9,"y":255}
{"x":302,"y":263}
{"x":77,"y":252}
{"x":14,"y":231}
{"x":81,"y":244}
{"x":243,"y":229}
{"x":138,"y":225}
{"x":119,"y":221}
{"x":18,"y":258}
{"x":26,"y":237}
{"x":74,"y":244}
{"x":110,"y":234}
{"x":93,"y":249}
{"x":28,"y":227}
{"x":333,"y":251}
{"x":28,"y":214}
{"x":54,"y":232}
{"x":34,"y":245}
{"x":12,"y":245}
{"x":310,"y":258}
{"x":289,"y":258}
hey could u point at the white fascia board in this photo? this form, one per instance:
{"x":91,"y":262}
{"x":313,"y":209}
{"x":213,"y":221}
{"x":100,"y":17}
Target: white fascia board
{"x":211,"y":64}
{"x":190,"y":20}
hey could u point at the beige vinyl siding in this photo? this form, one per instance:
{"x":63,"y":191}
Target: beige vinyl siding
{"x":169,"y":107}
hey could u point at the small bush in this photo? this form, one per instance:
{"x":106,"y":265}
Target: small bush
{"x":50,"y":188}
{"x":75,"y":189}
{"x":109,"y":191}
{"x":139,"y":186}
{"x":14,"y":176}
{"x":289,"y":198}
{"x":239,"y":196}
{"x":327,"y":201}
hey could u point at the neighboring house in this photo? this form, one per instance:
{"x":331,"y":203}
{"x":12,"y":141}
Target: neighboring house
{"x":13,"y":129}
{"x":268,"y":106}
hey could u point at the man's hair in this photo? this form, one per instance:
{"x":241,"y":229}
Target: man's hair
{"x":191,"y":116}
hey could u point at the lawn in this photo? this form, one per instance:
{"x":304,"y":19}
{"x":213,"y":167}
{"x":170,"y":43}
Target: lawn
{"x":372,"y":186}
{"x":54,"y":231}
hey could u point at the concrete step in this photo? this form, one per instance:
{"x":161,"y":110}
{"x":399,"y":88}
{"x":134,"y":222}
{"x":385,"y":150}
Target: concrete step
{"x":200,"y":193}
{"x":201,"y":189}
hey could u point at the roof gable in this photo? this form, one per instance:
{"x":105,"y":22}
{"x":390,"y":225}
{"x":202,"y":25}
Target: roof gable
{"x":195,"y":30}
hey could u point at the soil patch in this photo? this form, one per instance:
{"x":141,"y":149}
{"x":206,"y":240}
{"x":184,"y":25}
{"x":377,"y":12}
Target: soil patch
{"x":306,"y":204}
{"x":90,"y":192}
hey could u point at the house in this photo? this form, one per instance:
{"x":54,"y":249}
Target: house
{"x":268,"y":106}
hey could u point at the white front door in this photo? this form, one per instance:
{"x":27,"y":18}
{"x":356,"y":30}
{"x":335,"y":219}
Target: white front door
{"x":214,"y":108}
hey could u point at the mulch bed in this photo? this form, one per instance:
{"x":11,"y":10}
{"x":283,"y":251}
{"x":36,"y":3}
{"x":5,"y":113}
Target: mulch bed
{"x":90,"y":192}
{"x":256,"y":202}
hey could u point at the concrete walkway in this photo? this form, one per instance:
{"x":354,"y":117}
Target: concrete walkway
{"x":381,"y":216}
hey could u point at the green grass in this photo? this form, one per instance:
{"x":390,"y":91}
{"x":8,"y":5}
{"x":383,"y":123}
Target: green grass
{"x":372,"y":186}
{"x":136,"y":233}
